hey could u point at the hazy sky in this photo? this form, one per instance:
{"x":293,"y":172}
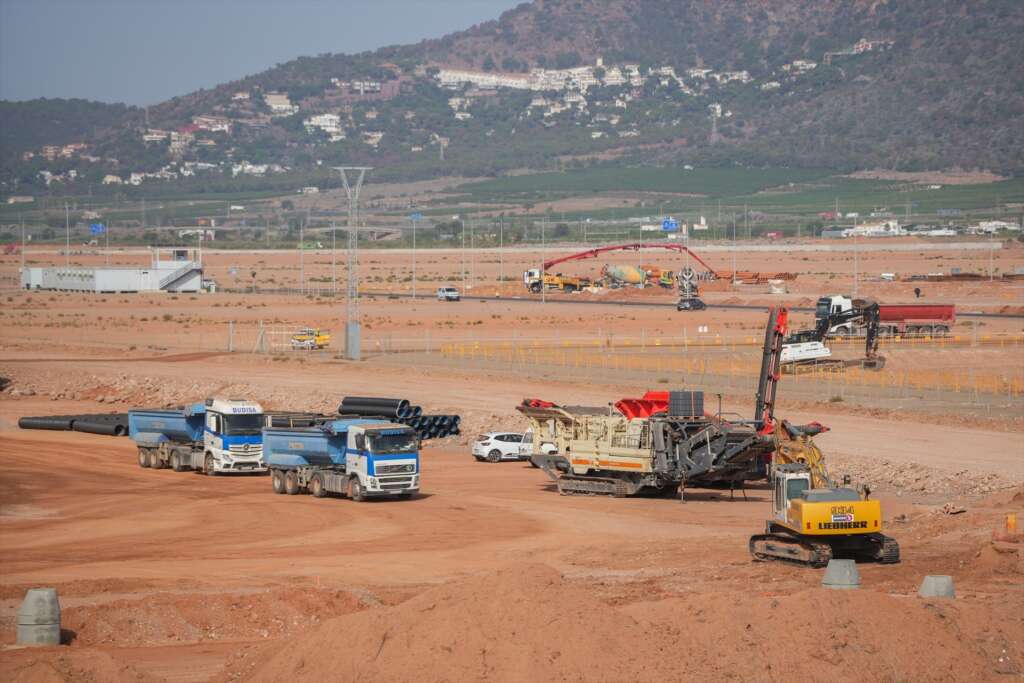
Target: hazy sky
{"x":145,"y":51}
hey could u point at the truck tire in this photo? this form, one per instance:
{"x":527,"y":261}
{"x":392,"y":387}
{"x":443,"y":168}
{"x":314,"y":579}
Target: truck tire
{"x":209,"y":468}
{"x":277,"y":481}
{"x":143,"y":457}
{"x":355,"y":490}
{"x":494,"y":456}
{"x":179,"y":463}
{"x":291,"y":483}
{"x":535,"y":287}
{"x":316,"y":486}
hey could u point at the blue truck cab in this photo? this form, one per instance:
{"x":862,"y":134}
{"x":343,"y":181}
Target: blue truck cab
{"x":356,"y":457}
{"x":220,"y":435}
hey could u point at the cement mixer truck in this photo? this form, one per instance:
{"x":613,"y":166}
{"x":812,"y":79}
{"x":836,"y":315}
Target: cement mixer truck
{"x":218,"y":436}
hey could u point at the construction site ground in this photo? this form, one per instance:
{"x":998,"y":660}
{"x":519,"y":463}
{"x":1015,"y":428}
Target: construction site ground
{"x":490,"y":574}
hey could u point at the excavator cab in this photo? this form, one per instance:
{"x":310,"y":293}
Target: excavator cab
{"x":791,"y":480}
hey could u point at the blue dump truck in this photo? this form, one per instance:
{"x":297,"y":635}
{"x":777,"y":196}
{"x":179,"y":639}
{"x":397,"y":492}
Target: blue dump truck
{"x":356,"y":457}
{"x":218,"y":436}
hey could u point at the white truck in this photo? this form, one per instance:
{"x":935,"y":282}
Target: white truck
{"x":357,"y":457}
{"x":219,"y":436}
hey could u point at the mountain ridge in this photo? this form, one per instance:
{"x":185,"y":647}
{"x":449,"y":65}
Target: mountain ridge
{"x":938,"y":86}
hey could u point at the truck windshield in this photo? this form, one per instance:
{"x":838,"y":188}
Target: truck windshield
{"x":823,"y":309}
{"x":404,"y":442}
{"x":243,"y":425}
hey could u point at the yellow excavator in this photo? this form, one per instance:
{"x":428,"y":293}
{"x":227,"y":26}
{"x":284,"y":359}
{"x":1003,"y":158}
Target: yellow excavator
{"x":813,"y":519}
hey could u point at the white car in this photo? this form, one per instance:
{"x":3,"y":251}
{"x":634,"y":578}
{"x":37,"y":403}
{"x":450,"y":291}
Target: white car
{"x":498,"y":446}
{"x":447,"y":294}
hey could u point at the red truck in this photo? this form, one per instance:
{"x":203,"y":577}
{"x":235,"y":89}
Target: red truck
{"x":894,"y":319}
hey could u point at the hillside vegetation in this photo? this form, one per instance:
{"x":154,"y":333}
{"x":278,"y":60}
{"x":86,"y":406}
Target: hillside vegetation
{"x":937,"y":86}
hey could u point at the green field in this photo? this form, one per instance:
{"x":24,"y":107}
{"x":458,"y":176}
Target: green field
{"x":710,"y":182}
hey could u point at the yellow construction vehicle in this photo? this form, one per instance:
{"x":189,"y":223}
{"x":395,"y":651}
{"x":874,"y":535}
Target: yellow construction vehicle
{"x":813,"y":519}
{"x":563,"y":283}
{"x":309,"y":338}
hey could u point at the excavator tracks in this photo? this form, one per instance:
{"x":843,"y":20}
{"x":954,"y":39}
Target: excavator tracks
{"x":764,"y":547}
{"x":569,"y":485}
{"x":890,"y":551}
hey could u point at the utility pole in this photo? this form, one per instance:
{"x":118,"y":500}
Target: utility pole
{"x":22,"y":243}
{"x":462,"y":260}
{"x":67,"y":227}
{"x":543,"y":288}
{"x":501,"y":247}
{"x":334,"y":266}
{"x":734,"y":250}
{"x":302,"y":255}
{"x":414,"y":218}
{"x":352,"y":341}
{"x":472,"y":253}
{"x":856,"y":264}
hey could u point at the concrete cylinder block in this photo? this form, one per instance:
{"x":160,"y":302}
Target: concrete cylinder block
{"x":39,"y":618}
{"x":841,"y":575}
{"x":937,"y":586}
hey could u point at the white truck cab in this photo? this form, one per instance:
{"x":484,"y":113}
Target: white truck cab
{"x":382,"y":458}
{"x":232,"y":437}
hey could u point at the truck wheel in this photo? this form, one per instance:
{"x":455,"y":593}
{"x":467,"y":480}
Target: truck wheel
{"x":175,"y":462}
{"x":535,"y":287}
{"x":291,"y":483}
{"x":494,"y":456}
{"x":277,"y":481}
{"x":316,"y":486}
{"x":143,"y":457}
{"x":355,"y":489}
{"x":209,"y":468}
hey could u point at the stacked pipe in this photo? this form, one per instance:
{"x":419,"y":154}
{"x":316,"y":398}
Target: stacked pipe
{"x":107,"y":424}
{"x":391,"y":408}
{"x":434,"y":426}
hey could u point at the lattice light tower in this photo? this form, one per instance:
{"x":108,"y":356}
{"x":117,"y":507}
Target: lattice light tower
{"x":352,"y":334}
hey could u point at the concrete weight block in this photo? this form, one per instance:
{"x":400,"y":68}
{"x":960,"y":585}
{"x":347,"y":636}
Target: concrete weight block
{"x":841,"y":575}
{"x":39,"y":618}
{"x":937,"y":586}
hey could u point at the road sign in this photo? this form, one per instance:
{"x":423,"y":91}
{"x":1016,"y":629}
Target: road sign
{"x":416,"y":216}
{"x":670,"y":225}
{"x":97,"y":228}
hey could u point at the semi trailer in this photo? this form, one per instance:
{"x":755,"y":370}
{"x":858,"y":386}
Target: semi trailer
{"x":893,"y":319}
{"x":217,"y":436}
{"x":357,"y":457}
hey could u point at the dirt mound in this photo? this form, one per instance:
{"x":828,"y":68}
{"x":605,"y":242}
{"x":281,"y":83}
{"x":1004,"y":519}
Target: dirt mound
{"x":837,"y":636}
{"x":167,"y":618}
{"x":521,"y":623}
{"x":530,"y":623}
{"x":60,"y":665}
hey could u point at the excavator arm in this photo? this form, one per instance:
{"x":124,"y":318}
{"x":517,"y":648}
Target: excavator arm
{"x":864,"y":311}
{"x":793,"y":444}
